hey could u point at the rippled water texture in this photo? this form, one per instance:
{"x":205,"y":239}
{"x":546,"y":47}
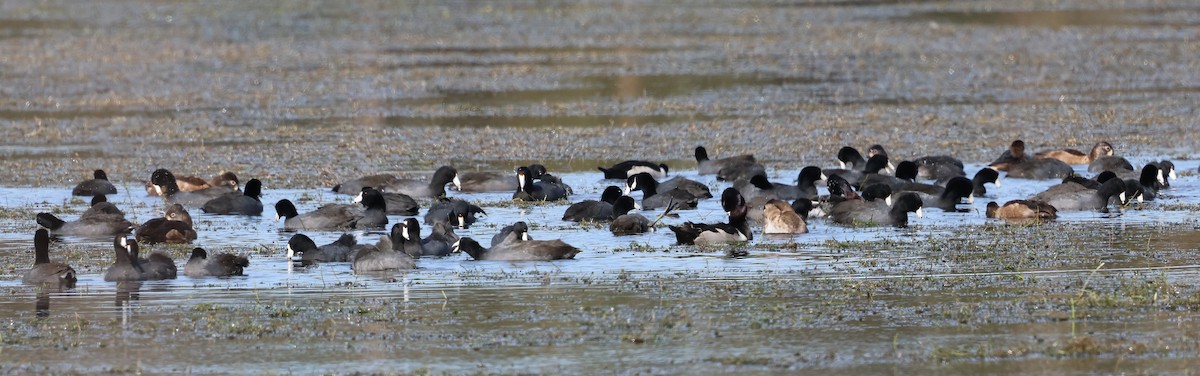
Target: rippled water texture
{"x":304,"y":95}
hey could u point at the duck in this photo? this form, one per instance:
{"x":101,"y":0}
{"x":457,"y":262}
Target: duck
{"x":166,"y":185}
{"x":877,"y":213}
{"x":310,"y":254}
{"x":44,"y":271}
{"x":737,"y":229}
{"x":781,"y":218}
{"x":1076,"y":157}
{"x":626,"y":169}
{"x":406,"y":237}
{"x":626,"y":223}
{"x":440,"y":240}
{"x":594,"y":210}
{"x":653,"y":199}
{"x":453,"y":211}
{"x":1022,"y":209}
{"x":174,"y":227}
{"x":247,"y":202}
{"x":1014,"y":155}
{"x":939,"y":167}
{"x":1071,"y":196}
{"x":125,"y":267}
{"x":381,"y":257}
{"x":435,"y":187}
{"x":101,"y":219}
{"x":220,"y":265}
{"x":98,"y":184}
{"x":513,"y":249}
{"x":537,"y":191}
{"x":225,"y":181}
{"x":705,"y":166}
{"x":1040,"y":169}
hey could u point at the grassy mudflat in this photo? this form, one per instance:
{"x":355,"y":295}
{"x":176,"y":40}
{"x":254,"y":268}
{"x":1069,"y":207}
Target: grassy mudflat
{"x":304,"y":95}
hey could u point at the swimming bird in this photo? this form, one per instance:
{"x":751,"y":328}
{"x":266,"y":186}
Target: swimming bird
{"x":440,"y":240}
{"x":594,"y":210}
{"x":381,"y":257}
{"x":1072,"y":156}
{"x":781,"y":218}
{"x":1071,"y":196}
{"x":515,"y":249}
{"x":537,"y":191}
{"x":219,"y":265}
{"x":626,"y":169}
{"x":406,"y":237}
{"x":308,"y":251}
{"x":878,"y":212}
{"x":247,"y":202}
{"x":125,"y":267}
{"x":737,"y":229}
{"x":45,"y":271}
{"x":167,"y":185}
{"x":99,"y":184}
{"x":371,"y":214}
{"x":1022,"y":209}
{"x":174,"y":227}
{"x":653,"y":199}
{"x":103,"y":218}
{"x":626,"y":223}
{"x":705,"y":166}
{"x":453,"y":211}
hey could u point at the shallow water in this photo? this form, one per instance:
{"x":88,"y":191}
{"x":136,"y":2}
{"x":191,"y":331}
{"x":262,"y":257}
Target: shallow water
{"x":306,"y":94}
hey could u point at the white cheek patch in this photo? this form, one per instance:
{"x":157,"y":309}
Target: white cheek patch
{"x":1173,"y":175}
{"x":524,"y":236}
{"x":971,"y":198}
{"x":457,"y":183}
{"x":521,"y":180}
{"x":124,"y":243}
{"x":888,"y":201}
{"x":823,"y":177}
{"x":1161,"y":180}
{"x":359,"y":198}
{"x":291,"y":253}
{"x":841,"y":165}
{"x":997,"y":182}
{"x":629,"y":188}
{"x":891,"y":169}
{"x":920,"y":213}
{"x":456,"y":247}
{"x":655,"y":172}
{"x":1121,"y":197}
{"x":159,"y":189}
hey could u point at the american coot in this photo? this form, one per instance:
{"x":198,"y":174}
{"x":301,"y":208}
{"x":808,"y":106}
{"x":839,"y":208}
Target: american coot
{"x":806,"y":208}
{"x":247,"y":202}
{"x":653,"y":199}
{"x":696,"y":188}
{"x":594,"y":210}
{"x":626,"y":223}
{"x":101,"y":219}
{"x":1039,"y":169}
{"x":537,"y":191}
{"x":45,"y":271}
{"x":939,"y":167}
{"x":781,"y":218}
{"x":155,"y":267}
{"x":983,"y":176}
{"x":219,"y":265}
{"x":372,"y":214}
{"x":1072,"y":196}
{"x":806,"y":182}
{"x":736,"y":230}
{"x":1072,"y":156}
{"x":304,"y":247}
{"x":354,"y":186}
{"x":98,"y":185}
{"x":125,"y":267}
{"x":878,"y":149}
{"x":518,"y":231}
{"x":705,"y":166}
{"x":440,"y":240}
{"x":515,"y":249}
{"x":850,"y":158}
{"x":174,"y":227}
{"x":760,"y":186}
{"x":957,"y":189}
{"x":1022,"y":209}
{"x":874,"y":165}
{"x":400,"y":204}
{"x":626,"y":169}
{"x":740,"y":171}
{"x":877,"y":213}
{"x":1167,"y":169}
{"x":381,"y":257}
{"x":1110,"y":163}
{"x":453,"y":211}
{"x":406,"y":237}
{"x":906,"y":174}
{"x":486,"y":181}
{"x":1148,"y":183}
{"x":435,"y":187}
{"x":166,"y":185}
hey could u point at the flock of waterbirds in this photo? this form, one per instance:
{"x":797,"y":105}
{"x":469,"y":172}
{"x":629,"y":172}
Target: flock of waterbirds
{"x":862,"y":191}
